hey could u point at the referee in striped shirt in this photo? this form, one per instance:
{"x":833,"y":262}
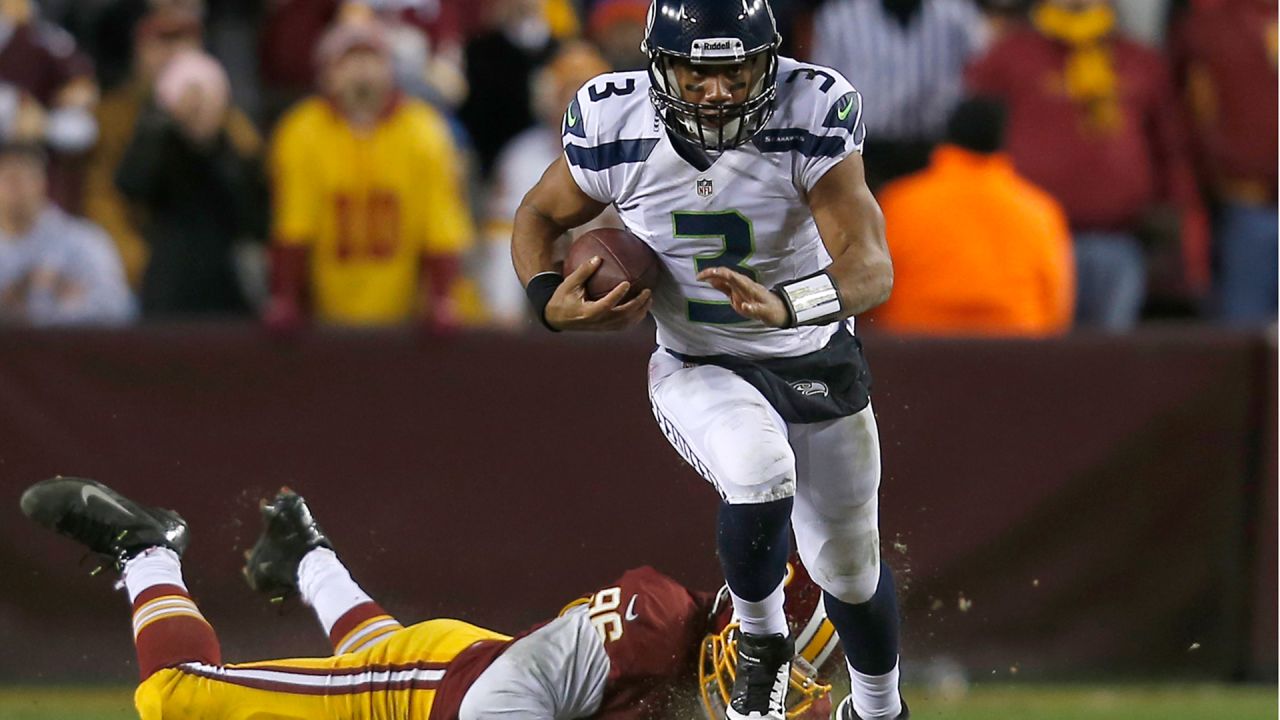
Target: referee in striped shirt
{"x":907,"y":58}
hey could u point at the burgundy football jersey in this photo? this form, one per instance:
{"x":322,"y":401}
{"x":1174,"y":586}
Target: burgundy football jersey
{"x":652,"y":627}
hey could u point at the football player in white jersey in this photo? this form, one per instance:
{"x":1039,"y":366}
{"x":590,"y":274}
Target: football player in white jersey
{"x":742,"y":170}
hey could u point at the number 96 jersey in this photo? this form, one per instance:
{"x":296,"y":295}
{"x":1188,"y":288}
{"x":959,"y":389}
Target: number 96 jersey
{"x":745,"y":208}
{"x":651,"y":627}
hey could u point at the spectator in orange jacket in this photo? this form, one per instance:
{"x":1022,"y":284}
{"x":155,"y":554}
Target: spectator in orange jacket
{"x":976,"y":248}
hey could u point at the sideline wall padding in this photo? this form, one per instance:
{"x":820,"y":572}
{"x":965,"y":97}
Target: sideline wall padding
{"x":1068,"y":508}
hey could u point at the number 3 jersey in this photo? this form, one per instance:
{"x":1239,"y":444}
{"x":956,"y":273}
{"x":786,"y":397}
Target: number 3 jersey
{"x":746,"y":210}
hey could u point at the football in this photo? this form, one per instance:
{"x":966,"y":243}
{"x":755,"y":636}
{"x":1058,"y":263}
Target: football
{"x":623,"y":257}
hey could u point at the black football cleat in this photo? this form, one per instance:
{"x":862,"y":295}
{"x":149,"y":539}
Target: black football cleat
{"x":846,"y":711}
{"x":289,"y":532}
{"x":762,"y":678}
{"x":102,"y":519}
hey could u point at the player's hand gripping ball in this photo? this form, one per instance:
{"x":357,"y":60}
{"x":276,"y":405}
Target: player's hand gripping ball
{"x":623,"y":258}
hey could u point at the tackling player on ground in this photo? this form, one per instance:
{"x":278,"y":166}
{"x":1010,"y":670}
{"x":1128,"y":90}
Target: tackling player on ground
{"x":742,"y":170}
{"x":632,"y":651}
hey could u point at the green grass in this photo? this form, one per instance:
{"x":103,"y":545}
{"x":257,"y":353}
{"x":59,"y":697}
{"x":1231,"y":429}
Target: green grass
{"x":982,"y":702}
{"x":80,"y":703}
{"x":1095,"y":702}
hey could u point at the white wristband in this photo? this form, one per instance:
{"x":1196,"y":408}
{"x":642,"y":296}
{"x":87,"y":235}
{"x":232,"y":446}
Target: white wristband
{"x":812,"y":300}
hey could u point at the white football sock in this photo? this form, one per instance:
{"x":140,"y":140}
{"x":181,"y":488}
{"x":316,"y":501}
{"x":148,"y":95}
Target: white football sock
{"x":151,"y":567}
{"x":327,"y":587}
{"x":765,"y":617}
{"x":875,"y":697}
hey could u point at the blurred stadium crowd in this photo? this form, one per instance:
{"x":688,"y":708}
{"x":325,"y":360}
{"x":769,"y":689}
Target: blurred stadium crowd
{"x":1042,"y":164}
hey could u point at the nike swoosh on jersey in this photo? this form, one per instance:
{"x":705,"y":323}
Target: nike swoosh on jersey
{"x":631,"y":609}
{"x":843,"y":113}
{"x":571,"y":119}
{"x":89,"y":491}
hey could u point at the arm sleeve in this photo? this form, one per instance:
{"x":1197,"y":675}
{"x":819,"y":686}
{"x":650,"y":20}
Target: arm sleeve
{"x":295,"y":204}
{"x":580,"y":134}
{"x":448,"y":229}
{"x":837,"y":129}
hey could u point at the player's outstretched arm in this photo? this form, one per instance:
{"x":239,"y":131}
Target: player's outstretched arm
{"x":554,"y":206}
{"x":852,"y":228}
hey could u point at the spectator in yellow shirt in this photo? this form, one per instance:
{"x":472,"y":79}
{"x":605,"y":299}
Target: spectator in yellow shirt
{"x":369,"y":216}
{"x":977,"y":249}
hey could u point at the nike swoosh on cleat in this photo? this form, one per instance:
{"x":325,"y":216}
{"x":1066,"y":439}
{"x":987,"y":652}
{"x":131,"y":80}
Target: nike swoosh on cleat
{"x":89,"y":491}
{"x":631,"y":609}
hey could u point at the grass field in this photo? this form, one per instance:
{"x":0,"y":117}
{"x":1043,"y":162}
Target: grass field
{"x":982,"y":702}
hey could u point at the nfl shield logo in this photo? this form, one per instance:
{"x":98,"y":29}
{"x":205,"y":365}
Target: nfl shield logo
{"x":704,"y":187}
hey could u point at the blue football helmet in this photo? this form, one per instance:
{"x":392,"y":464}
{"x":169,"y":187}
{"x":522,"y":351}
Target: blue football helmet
{"x":714,"y":32}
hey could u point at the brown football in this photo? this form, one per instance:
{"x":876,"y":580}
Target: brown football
{"x":623,"y":257}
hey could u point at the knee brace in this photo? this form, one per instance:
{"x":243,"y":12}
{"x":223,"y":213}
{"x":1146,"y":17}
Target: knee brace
{"x":842,"y":553}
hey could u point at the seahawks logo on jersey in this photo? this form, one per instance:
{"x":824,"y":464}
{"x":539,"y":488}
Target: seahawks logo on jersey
{"x":810,"y":388}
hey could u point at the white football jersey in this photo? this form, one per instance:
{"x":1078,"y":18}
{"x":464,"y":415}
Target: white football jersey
{"x":747,"y":211}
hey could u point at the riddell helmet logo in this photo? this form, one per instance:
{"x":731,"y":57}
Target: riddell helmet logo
{"x":717,"y":49}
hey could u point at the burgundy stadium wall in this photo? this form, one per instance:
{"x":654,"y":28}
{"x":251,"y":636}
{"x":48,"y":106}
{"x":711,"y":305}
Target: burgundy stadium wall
{"x":1070,"y":508}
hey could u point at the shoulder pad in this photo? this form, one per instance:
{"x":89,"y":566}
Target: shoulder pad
{"x":608,"y":123}
{"x":815,"y":92}
{"x":818,"y":113}
{"x":603,"y":105}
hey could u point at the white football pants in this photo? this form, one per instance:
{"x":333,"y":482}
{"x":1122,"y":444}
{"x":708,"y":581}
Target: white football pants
{"x":722,"y":426}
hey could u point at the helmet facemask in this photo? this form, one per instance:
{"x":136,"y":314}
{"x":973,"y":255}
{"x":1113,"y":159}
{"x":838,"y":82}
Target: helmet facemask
{"x":817,"y":659}
{"x":718,"y":666}
{"x":712,"y":127}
